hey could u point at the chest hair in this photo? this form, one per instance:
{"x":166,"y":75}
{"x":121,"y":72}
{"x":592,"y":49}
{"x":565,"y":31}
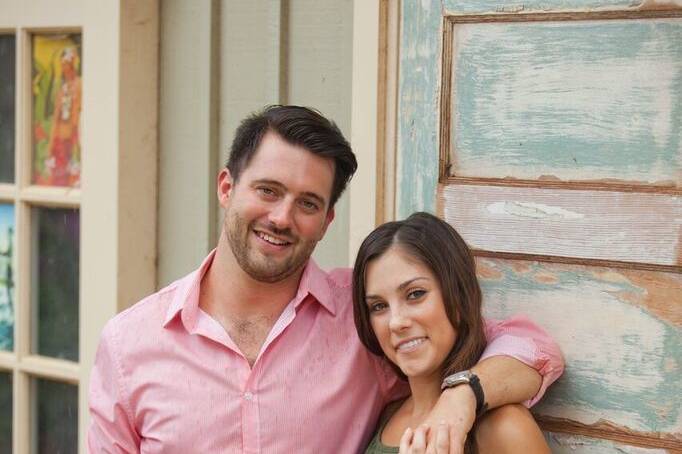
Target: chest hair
{"x":249,"y":334}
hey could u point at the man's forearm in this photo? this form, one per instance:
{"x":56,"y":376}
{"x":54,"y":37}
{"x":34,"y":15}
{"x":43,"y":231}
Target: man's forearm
{"x":506,"y":380}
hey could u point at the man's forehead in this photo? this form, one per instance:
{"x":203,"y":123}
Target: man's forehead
{"x":280,"y":161}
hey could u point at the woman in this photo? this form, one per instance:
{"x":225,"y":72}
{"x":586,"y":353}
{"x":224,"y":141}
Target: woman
{"x":418,"y":303}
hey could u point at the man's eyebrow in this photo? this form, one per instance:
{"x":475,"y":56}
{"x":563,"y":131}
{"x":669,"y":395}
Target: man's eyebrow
{"x":312,"y":195}
{"x":268,"y":181}
{"x":401,"y":286}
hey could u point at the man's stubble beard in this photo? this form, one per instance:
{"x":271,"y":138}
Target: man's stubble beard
{"x":260,"y":268}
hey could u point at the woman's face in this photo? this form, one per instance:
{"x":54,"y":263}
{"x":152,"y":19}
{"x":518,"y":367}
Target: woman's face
{"x":407,"y":313}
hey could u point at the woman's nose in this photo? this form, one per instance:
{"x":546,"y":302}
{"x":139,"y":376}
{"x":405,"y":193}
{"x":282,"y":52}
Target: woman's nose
{"x":399,"y":320}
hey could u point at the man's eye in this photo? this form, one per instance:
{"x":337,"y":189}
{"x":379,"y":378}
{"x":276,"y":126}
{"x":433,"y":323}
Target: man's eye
{"x":416,"y":294}
{"x":308,"y":205}
{"x":266,"y":191}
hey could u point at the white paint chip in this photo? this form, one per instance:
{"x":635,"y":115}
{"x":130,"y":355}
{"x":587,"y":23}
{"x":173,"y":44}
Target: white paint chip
{"x":532,"y":210}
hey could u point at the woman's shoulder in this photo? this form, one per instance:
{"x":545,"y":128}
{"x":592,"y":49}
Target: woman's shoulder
{"x":376,"y":446}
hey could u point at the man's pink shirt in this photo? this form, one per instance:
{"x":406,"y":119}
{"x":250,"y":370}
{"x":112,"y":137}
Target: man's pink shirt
{"x":168,"y":378}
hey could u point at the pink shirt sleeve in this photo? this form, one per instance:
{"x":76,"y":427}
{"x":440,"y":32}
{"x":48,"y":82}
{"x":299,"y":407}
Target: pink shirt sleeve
{"x":111,"y":428}
{"x":520,"y":338}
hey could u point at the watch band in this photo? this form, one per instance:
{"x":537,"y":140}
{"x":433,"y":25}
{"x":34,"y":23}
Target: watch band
{"x":481,"y":405}
{"x":470,"y":378}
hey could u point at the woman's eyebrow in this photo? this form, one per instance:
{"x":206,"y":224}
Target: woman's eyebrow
{"x":409,"y":281}
{"x":400,"y":287}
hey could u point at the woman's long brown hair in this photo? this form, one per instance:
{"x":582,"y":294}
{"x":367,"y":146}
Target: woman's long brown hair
{"x":437,"y":245}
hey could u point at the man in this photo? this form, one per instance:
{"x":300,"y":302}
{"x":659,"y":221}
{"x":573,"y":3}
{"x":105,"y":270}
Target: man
{"x":256,"y":350}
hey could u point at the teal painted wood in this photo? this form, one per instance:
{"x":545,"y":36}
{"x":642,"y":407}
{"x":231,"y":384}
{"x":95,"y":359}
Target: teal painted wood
{"x":576,"y":444}
{"x":418,"y":116}
{"x":620,"y":332}
{"x":500,"y":6}
{"x":596,"y":100}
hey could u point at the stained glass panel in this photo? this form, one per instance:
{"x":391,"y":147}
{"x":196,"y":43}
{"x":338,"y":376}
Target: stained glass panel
{"x":7,"y":91}
{"x":56,"y":109}
{"x":5,"y":412}
{"x":6,"y":276}
{"x":56,"y":421}
{"x":55,"y":278}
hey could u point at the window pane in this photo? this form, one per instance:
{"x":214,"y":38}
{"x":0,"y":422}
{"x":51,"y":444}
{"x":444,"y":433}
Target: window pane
{"x":54,"y":282}
{"x":55,"y":428}
{"x":5,"y":412}
{"x":56,"y":109}
{"x":6,"y":277}
{"x":7,"y":62}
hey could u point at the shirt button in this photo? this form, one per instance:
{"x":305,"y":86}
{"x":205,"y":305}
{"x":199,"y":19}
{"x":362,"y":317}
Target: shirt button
{"x":248,"y":396}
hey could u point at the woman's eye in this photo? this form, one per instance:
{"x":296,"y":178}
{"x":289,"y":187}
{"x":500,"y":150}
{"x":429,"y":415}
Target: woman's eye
{"x":416,"y":294}
{"x":377,"y":307}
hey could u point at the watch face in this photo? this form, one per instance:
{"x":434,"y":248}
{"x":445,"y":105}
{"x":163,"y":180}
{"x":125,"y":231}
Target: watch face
{"x":458,"y":378}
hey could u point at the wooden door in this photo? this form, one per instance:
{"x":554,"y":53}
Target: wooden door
{"x":550,"y":135}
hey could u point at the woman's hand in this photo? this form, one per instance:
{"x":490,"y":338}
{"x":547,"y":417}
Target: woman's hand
{"x":416,"y":442}
{"x":457,"y":408}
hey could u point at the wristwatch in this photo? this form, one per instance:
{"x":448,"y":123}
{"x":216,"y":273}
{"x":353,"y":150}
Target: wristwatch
{"x":471,"y":379}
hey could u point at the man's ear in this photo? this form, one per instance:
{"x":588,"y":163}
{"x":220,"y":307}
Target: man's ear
{"x":328,"y":220}
{"x":225,"y":186}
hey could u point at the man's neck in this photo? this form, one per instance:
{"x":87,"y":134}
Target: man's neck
{"x":246,"y":308}
{"x":226,"y":289}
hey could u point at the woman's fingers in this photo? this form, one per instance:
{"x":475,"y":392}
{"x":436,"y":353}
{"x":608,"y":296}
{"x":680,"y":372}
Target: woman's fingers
{"x":419,"y":440}
{"x":415,"y":442}
{"x":405,"y":441}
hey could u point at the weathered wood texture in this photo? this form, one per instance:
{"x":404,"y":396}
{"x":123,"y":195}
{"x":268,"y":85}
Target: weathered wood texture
{"x":543,"y":6}
{"x":630,"y":227}
{"x":572,"y":444}
{"x":417,"y":161}
{"x":621,"y":334}
{"x":583,"y":102}
{"x":575,"y":100}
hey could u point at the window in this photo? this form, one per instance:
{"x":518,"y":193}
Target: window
{"x":40,"y":236}
{"x":78,"y":127}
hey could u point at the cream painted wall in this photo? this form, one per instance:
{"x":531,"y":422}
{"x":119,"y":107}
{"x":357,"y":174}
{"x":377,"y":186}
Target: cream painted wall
{"x":320,"y":75}
{"x":219,"y":62}
{"x":187,"y":135}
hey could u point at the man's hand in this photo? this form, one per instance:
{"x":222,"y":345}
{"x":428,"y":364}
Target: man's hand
{"x":454,"y":413}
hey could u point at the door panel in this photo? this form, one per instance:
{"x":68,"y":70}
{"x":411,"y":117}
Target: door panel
{"x":576,"y":100}
{"x":600,"y":225}
{"x":572,"y":444}
{"x":550,"y":135}
{"x":505,"y":6}
{"x":620,"y":331}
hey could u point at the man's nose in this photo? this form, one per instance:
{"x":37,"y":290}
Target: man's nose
{"x":281,"y":214}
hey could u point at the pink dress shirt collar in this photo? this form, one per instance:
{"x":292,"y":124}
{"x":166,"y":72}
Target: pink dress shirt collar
{"x":185,"y":302}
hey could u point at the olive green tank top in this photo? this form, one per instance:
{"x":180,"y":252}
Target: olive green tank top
{"x":376,"y":446}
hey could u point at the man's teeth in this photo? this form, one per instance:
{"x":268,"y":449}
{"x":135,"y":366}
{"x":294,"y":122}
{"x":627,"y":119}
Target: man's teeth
{"x":410,"y":344}
{"x":271,"y":239}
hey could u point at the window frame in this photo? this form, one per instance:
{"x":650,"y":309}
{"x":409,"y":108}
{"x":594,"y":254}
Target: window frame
{"x":118,"y":195}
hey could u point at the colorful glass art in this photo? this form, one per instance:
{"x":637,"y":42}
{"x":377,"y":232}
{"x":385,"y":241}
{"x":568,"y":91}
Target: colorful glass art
{"x":6,"y":277}
{"x":55,"y":280}
{"x":56,"y":417}
{"x":56,"y":110}
{"x":7,"y":97}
